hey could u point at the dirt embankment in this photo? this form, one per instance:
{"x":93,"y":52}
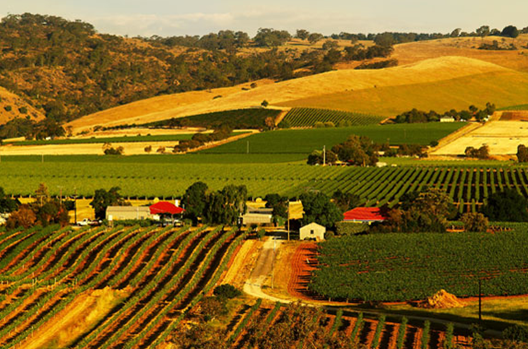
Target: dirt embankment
{"x":75,"y":319}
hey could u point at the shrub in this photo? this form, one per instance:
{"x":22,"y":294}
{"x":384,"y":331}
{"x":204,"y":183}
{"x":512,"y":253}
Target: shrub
{"x":8,"y":108}
{"x":515,"y":334}
{"x":261,"y":233}
{"x":264,"y":103}
{"x":23,"y":110}
{"x":227,"y":291}
{"x":329,"y":124}
{"x":475,"y":222}
{"x":319,"y":124}
{"x":114,"y":151}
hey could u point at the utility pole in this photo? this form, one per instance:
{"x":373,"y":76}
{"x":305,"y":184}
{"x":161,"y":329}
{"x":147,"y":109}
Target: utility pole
{"x":324,"y":155}
{"x":480,"y":301}
{"x":247,"y":151}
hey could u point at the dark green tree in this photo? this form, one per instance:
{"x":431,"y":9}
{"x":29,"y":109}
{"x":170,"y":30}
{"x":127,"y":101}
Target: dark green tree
{"x":195,"y":201}
{"x":102,"y":199}
{"x":226,"y":205}
{"x":506,"y":206}
{"x":522,"y":153}
{"x":318,"y":208}
{"x":278,"y":203}
{"x":346,"y":201}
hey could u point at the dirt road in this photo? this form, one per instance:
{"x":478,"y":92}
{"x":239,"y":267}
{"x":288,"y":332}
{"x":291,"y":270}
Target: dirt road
{"x":262,"y":271}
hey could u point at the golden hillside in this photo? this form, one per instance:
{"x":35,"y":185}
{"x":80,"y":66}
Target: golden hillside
{"x":310,"y":91}
{"x":12,"y":106}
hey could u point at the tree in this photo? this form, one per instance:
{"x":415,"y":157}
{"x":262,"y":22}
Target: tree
{"x":102,"y":199}
{"x":23,"y":217}
{"x":302,"y":34}
{"x":384,"y":40}
{"x":522,"y":153}
{"x":510,"y":32}
{"x":278,"y":203}
{"x":6,"y":203}
{"x":195,"y":200}
{"x":506,"y":206}
{"x":226,"y":205}
{"x":476,"y":222}
{"x":227,"y":291}
{"x":42,"y":194}
{"x":314,"y":38}
{"x":318,"y":208}
{"x":264,"y":103}
{"x":148,"y":149}
{"x":357,"y":151}
{"x":483,"y":31}
{"x":346,"y":201}
{"x":330,"y":44}
{"x":455,"y":33}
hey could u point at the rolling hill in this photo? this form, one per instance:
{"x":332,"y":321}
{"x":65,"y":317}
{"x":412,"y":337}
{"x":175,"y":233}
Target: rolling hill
{"x":12,"y":106}
{"x":441,"y":83}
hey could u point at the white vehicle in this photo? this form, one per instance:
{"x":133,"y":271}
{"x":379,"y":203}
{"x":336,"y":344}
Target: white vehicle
{"x":87,"y":221}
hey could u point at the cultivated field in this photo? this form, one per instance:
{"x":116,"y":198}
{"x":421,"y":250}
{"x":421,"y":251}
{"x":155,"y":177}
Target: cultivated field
{"x":402,"y":267}
{"x":502,"y":138}
{"x":105,"y":288}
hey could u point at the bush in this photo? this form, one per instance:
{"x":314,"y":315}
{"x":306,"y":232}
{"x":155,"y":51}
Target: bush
{"x":23,"y":110}
{"x":261,"y":233}
{"x":114,"y":151}
{"x":8,"y":108}
{"x":319,"y":124}
{"x":329,"y":124}
{"x":227,"y":291}
{"x":515,"y":334}
{"x":476,"y":222}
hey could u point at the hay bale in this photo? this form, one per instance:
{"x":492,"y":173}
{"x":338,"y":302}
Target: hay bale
{"x":441,"y":300}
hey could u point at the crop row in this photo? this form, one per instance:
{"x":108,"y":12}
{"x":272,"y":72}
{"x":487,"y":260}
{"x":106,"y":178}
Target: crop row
{"x":307,"y":117}
{"x":400,"y":267}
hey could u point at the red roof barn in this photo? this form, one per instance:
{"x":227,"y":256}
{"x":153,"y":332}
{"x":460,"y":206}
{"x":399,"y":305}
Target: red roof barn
{"x":165,"y":207}
{"x":365,"y":214}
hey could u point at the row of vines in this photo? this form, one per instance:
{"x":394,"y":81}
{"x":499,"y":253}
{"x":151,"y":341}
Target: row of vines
{"x":155,"y":274}
{"x":308,"y":117}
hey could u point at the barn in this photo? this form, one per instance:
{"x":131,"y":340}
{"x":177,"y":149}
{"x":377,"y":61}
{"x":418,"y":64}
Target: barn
{"x":365,"y":215}
{"x":119,"y":213}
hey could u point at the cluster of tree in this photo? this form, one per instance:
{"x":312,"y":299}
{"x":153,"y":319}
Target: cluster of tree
{"x":360,"y":52}
{"x":215,"y":207}
{"x":424,"y":211}
{"x":522,"y":153}
{"x":199,"y":139}
{"x":356,"y":150}
{"x":418,"y":116}
{"x":23,"y":127}
{"x":480,"y":153}
{"x":44,"y":211}
{"x":378,"y":65}
{"x":406,"y":150}
{"x":227,"y":40}
{"x":495,"y":46}
{"x":320,"y":209}
{"x":506,"y":206}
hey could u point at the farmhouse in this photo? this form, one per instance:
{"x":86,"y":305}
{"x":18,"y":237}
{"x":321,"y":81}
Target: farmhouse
{"x":365,"y":215}
{"x":118,"y":213}
{"x":312,"y":231}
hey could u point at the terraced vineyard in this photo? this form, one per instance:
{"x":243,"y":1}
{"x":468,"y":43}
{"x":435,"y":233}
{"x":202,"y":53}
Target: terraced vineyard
{"x":307,"y":117}
{"x":468,"y":186}
{"x":372,"y":332}
{"x":128,"y":287}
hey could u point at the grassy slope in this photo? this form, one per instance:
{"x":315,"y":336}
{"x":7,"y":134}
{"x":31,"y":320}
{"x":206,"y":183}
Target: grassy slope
{"x":305,"y":141}
{"x":504,"y":88}
{"x":8,"y":99}
{"x":341,"y":81}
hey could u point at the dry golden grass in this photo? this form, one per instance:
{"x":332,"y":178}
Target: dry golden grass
{"x":465,"y":47}
{"x":286,"y":92}
{"x":10,"y":99}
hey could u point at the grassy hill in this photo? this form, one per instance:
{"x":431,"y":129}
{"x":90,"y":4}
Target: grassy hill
{"x":335,"y":86}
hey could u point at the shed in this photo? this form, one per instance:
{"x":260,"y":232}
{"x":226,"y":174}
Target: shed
{"x":365,"y":215}
{"x":118,"y":213}
{"x":312,"y":231}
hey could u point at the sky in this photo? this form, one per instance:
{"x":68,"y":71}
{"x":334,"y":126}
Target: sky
{"x":199,"y":17}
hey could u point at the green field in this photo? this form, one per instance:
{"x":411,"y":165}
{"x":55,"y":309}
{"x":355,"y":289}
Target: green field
{"x":516,"y":107}
{"x":306,"y":141}
{"x":400,"y":267}
{"x":307,"y":117}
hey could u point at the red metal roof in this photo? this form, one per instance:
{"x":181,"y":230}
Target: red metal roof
{"x":165,"y":207}
{"x":365,"y":214}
